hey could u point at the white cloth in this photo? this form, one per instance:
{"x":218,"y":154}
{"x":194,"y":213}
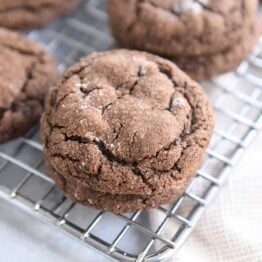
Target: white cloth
{"x":230,"y":230}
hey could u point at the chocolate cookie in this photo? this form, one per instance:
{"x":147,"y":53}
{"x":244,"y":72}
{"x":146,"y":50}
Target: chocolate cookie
{"x":19,"y":14}
{"x":125,"y":123}
{"x":180,"y":27}
{"x":26,"y":71}
{"x":207,"y":66}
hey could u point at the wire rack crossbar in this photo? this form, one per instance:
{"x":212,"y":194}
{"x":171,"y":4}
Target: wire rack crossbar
{"x":158,"y":233}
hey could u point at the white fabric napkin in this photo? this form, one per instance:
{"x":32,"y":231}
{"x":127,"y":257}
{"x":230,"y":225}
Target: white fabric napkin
{"x":231,"y":229}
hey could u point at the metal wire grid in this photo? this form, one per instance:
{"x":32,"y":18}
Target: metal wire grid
{"x":139,"y":236}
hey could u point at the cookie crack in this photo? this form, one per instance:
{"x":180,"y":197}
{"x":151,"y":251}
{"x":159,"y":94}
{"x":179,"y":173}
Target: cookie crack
{"x":88,"y":92}
{"x":58,"y":103}
{"x":117,"y":132}
{"x":66,"y":157}
{"x":100,"y":145}
{"x":12,"y":107}
{"x":104,"y":109}
{"x":178,"y":14}
{"x":110,"y":157}
{"x":29,"y":8}
{"x":22,"y":51}
{"x":2,"y":112}
{"x":208,"y":8}
{"x":139,"y":75}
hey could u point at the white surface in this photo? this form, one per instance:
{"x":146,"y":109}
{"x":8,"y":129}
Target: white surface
{"x":24,"y":238}
{"x":230,"y":231}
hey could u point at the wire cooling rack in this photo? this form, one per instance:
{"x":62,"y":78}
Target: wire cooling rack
{"x":142,"y":236}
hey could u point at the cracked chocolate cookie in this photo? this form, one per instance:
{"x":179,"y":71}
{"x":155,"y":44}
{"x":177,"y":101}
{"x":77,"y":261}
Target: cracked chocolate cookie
{"x":20,"y":14}
{"x":125,"y":125}
{"x":206,"y":66}
{"x":26,"y":71}
{"x":180,"y":27}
